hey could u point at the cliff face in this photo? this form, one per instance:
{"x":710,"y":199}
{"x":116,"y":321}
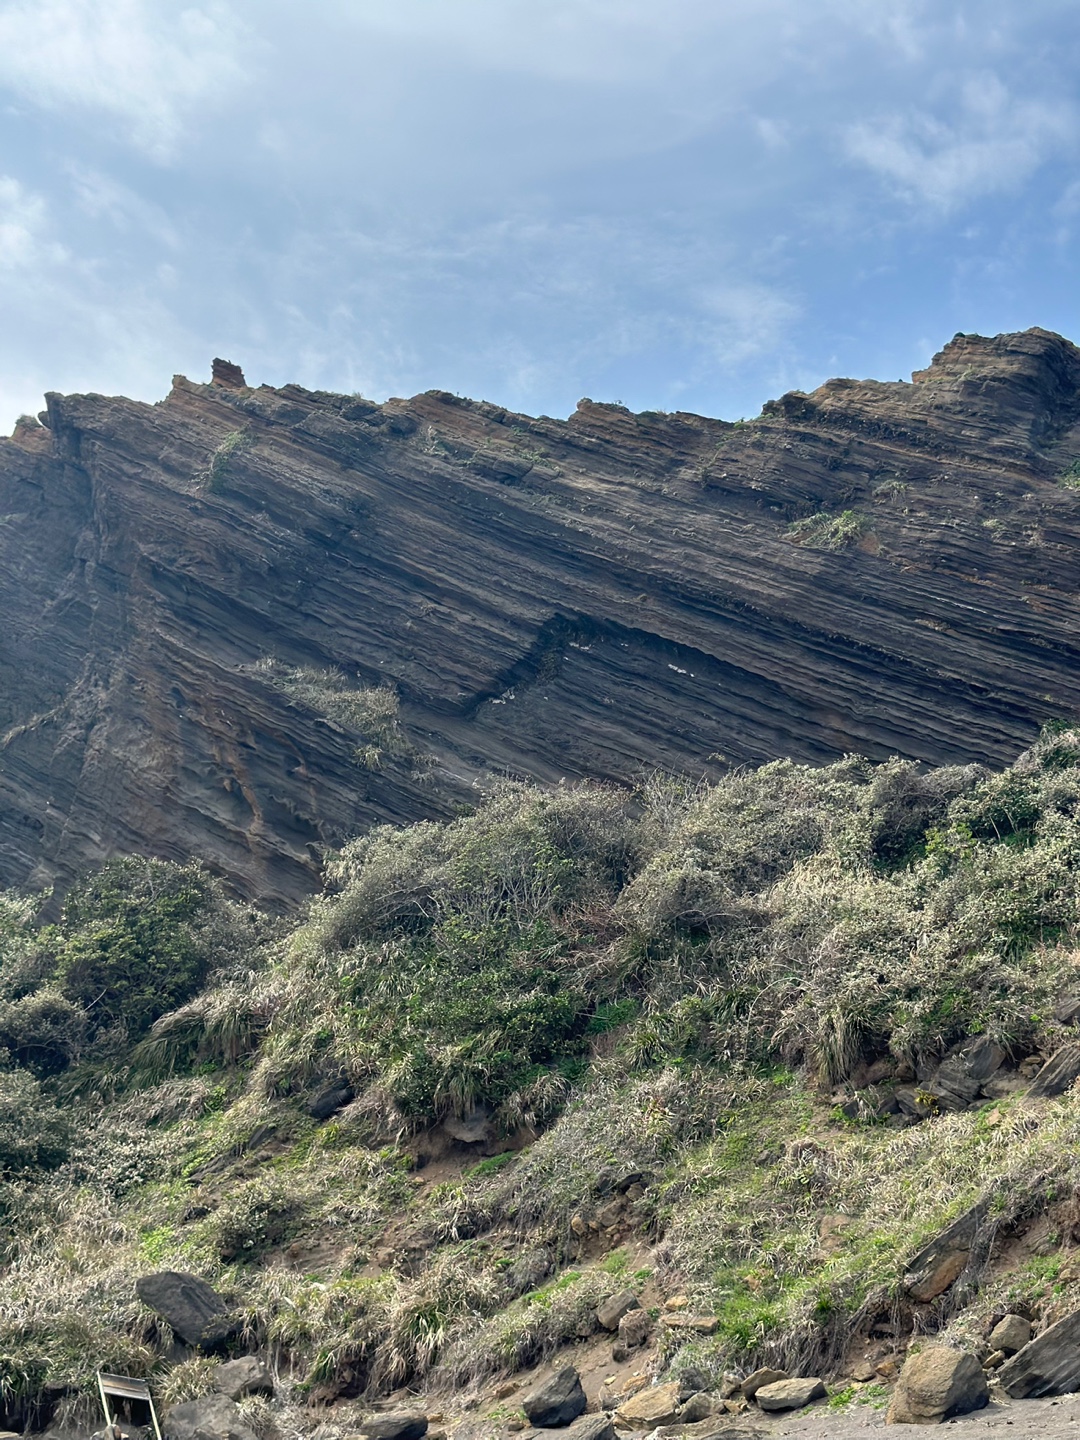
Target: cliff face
{"x":874,"y":567}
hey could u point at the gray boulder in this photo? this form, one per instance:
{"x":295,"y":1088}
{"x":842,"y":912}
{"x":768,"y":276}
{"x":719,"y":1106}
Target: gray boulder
{"x":558,"y":1401}
{"x":1049,"y":1365}
{"x":592,"y":1427}
{"x":401,"y":1425}
{"x":1058,"y":1074}
{"x":1010,"y":1334}
{"x":247,"y":1376}
{"x":957,"y":1081}
{"x":790,"y":1394}
{"x":699,"y":1407}
{"x":212,"y":1417}
{"x":935,"y":1385}
{"x":196,"y":1313}
{"x":610,"y":1311}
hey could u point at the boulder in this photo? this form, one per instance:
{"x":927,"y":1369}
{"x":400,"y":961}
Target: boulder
{"x":612,"y":1310}
{"x":400,"y":1425}
{"x":1010,"y":1334}
{"x":698,"y":1407}
{"x":332,"y":1098}
{"x":937,"y":1265}
{"x":592,"y":1427}
{"x":635,"y":1327}
{"x":656,"y":1405}
{"x":790,"y":1394}
{"x":558,"y":1401}
{"x":212,"y":1417}
{"x":1058,"y":1074}
{"x":935,"y":1385}
{"x":1048,"y":1365}
{"x":196,"y":1313}
{"x":765,"y":1376}
{"x":247,"y":1376}
{"x":692,"y":1381}
{"x":957,"y":1081}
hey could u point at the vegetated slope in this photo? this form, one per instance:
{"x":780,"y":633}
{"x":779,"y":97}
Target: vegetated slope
{"x":246,"y":622}
{"x":687,"y":1040}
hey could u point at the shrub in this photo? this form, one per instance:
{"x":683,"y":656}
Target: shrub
{"x":34,"y":1133}
{"x":828,"y":532}
{"x":43,"y":1031}
{"x":125,"y":948}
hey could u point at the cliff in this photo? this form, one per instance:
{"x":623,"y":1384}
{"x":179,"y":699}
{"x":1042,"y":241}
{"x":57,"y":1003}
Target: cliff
{"x":874,"y":567}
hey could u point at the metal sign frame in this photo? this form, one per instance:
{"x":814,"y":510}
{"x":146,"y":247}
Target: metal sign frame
{"x":125,"y":1387}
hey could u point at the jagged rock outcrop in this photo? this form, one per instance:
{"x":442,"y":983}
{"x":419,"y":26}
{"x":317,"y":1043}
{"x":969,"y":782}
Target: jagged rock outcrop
{"x":873,"y":567}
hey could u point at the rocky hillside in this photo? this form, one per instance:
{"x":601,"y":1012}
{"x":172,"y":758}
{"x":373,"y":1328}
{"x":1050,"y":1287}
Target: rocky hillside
{"x":246,"y":623}
{"x":681,"y":1107}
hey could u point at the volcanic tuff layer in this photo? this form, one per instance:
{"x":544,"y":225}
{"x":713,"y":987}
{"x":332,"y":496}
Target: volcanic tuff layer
{"x":551,"y":598}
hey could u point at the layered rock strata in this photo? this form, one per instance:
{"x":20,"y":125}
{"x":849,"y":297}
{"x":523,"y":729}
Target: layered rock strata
{"x":874,"y":567}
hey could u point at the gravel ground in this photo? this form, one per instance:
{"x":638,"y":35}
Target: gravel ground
{"x":1020,"y":1420}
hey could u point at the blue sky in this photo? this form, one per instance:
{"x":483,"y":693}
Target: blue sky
{"x":693,"y":204}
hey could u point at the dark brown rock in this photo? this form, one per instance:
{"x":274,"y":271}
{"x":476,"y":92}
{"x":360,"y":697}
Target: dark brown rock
{"x":1058,"y":1074}
{"x":555,"y":598}
{"x":195,"y":1311}
{"x":224,"y":372}
{"x":610,"y":1311}
{"x":401,"y":1425}
{"x":1047,"y":1365}
{"x":557,"y":1402}
{"x":331,"y":1098}
{"x":939,"y":1264}
{"x":958,"y":1080}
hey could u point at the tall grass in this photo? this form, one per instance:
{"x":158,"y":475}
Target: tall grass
{"x":652,"y":996}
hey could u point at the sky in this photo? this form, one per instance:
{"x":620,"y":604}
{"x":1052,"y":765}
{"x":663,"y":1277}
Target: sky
{"x":693,"y":204}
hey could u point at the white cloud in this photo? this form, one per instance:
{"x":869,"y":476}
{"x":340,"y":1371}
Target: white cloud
{"x":22,"y":223}
{"x":141,"y":64}
{"x":994,"y":144}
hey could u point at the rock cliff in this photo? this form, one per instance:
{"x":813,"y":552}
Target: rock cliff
{"x":208,"y":601}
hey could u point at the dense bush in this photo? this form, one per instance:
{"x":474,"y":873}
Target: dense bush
{"x":34,"y":1133}
{"x":43,"y":1031}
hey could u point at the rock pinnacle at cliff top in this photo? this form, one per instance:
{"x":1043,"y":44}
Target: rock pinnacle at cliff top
{"x":246,"y":623}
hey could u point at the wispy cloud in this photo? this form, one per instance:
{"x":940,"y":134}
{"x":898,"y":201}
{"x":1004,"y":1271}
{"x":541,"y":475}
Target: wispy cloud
{"x":142,"y":65}
{"x":995,"y":142}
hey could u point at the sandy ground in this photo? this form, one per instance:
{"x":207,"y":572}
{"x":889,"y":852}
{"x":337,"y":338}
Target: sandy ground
{"x":1021,"y":1420}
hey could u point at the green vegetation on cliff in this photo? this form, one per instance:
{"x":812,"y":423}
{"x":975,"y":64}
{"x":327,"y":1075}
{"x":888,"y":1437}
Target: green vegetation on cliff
{"x":671,"y":1031}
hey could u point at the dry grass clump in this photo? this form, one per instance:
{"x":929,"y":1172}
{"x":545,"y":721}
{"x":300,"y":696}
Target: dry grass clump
{"x":368,"y":711}
{"x":526,"y":1332}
